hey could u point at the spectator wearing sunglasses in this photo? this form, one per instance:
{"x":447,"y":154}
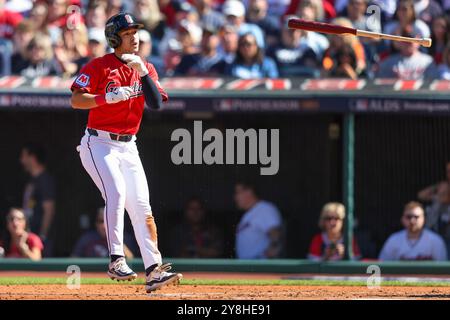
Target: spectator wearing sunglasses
{"x":329,"y":244}
{"x":250,"y":61}
{"x":414,"y":242}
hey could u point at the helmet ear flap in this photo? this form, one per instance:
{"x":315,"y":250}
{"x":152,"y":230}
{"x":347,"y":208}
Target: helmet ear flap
{"x":114,"y":41}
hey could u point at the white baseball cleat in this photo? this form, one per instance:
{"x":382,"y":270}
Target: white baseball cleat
{"x":120,"y":271}
{"x":160,"y":277}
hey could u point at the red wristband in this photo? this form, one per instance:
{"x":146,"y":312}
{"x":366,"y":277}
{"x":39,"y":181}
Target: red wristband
{"x":100,"y":100}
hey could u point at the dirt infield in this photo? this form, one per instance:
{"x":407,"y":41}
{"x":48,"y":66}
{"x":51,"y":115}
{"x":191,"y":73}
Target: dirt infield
{"x":132,"y":291}
{"x":206,"y":292}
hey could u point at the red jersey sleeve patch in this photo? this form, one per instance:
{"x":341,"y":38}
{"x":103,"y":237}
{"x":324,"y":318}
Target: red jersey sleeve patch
{"x":154,"y":75}
{"x":87,"y":79}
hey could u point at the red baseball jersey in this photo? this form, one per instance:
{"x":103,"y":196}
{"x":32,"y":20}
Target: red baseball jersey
{"x":104,"y":74}
{"x":33,"y":241}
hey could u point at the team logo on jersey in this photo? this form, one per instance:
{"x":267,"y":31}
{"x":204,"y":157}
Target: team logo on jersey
{"x":82,"y":80}
{"x":128,"y":18}
{"x":136,"y":88}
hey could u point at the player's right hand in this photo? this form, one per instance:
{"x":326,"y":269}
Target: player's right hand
{"x":118,"y":94}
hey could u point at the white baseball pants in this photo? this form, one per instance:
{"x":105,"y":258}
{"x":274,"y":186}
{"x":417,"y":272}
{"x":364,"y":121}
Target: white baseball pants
{"x":116,"y":169}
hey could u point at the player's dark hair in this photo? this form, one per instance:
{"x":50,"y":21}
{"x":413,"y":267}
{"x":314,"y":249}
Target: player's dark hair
{"x":36,"y":150}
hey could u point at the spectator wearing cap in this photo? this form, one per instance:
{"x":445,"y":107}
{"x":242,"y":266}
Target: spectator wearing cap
{"x":20,"y":6}
{"x":250,"y":61}
{"x":234,"y":12}
{"x":414,"y":242}
{"x":146,"y":51}
{"x":293,"y":56}
{"x":189,"y":36}
{"x":444,"y":67}
{"x":208,"y":16}
{"x":23,"y":34}
{"x":186,"y":42}
{"x":440,"y":36}
{"x":94,"y":244}
{"x":8,"y":21}
{"x":39,"y":60}
{"x":184,"y":12}
{"x":408,"y":64}
{"x":207,"y":61}
{"x":229,"y":39}
{"x":405,"y":17}
{"x":257,"y":13}
{"x":96,"y":47}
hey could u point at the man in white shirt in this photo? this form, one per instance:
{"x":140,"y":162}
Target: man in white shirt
{"x":408,"y":64}
{"x":259,"y":233}
{"x":414,"y":242}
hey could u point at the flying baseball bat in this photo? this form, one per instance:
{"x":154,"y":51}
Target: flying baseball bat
{"x":335,"y":29}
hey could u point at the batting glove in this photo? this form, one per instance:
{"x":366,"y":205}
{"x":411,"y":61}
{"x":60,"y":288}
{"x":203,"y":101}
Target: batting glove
{"x":118,"y":94}
{"x":135,"y":62}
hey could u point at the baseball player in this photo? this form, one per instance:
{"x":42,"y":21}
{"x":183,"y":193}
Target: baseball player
{"x":114,"y":88}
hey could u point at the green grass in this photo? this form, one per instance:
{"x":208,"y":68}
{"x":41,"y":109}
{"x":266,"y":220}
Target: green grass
{"x":215,"y":282}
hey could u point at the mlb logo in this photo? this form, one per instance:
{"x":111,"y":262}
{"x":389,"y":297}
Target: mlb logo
{"x":82,"y":80}
{"x":128,"y":18}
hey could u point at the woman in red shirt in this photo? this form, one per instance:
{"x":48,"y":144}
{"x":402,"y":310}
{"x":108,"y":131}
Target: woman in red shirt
{"x":329,"y":244}
{"x":19,"y":243}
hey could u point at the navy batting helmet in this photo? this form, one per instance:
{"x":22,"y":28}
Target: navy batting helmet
{"x":116,"y":23}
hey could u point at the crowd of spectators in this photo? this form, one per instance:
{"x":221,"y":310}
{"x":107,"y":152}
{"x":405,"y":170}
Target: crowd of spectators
{"x":244,"y":39}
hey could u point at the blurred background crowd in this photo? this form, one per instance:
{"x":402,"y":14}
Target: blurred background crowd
{"x":244,"y":39}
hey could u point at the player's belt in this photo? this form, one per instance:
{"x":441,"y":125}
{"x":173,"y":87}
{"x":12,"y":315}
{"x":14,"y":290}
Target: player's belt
{"x":113,"y":136}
